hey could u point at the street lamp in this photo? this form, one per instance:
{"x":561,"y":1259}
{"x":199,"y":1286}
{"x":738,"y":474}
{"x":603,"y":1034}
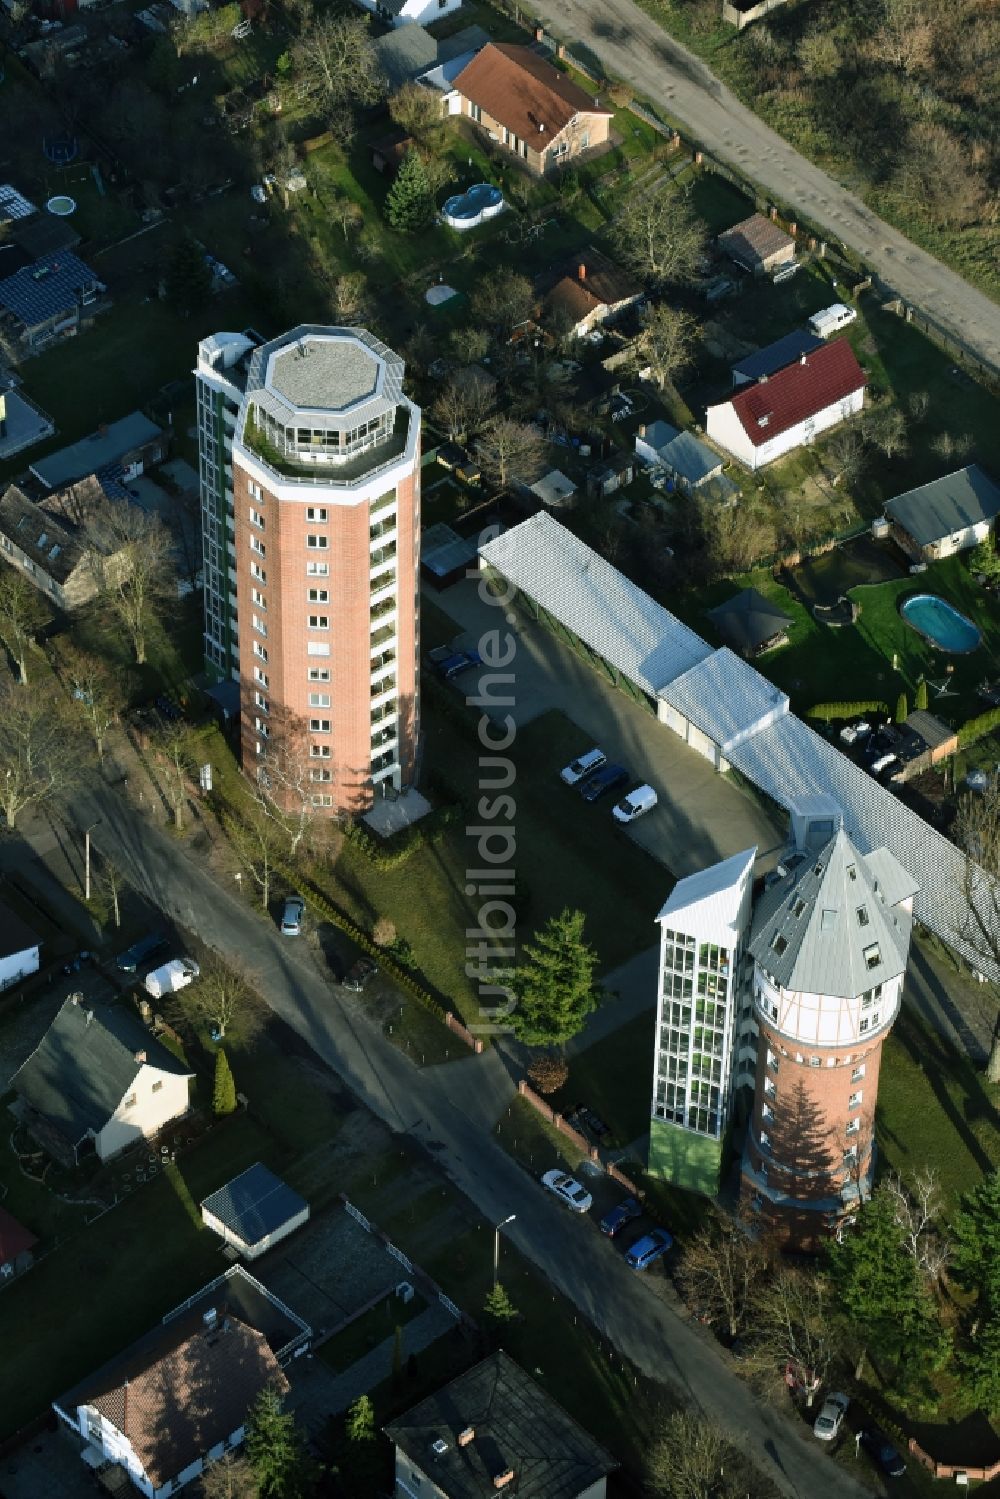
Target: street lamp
{"x":496,"y":1248}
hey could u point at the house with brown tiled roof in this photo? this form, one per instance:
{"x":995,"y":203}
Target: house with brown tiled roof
{"x":178,"y":1398}
{"x":762,"y":422}
{"x":591,"y":290}
{"x":758,"y":244}
{"x":523,"y":102}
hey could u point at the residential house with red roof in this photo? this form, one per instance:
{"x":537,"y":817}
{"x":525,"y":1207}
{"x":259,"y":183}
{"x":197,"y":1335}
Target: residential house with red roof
{"x":530,"y":107}
{"x":590,"y":291}
{"x":766,"y":420}
{"x":173,"y":1402}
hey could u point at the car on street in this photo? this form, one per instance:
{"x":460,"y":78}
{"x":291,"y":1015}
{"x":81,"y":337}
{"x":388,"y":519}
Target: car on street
{"x":458,"y":662}
{"x":608,"y":778}
{"x":359,"y":974}
{"x":579,"y":769}
{"x":639,"y":801}
{"x":831,"y":1418}
{"x":647,"y":1250}
{"x":171,"y":977}
{"x":881,"y":1450}
{"x":568,"y":1190}
{"x":291,"y":916}
{"x":626,"y":1211}
{"x":140,"y":952}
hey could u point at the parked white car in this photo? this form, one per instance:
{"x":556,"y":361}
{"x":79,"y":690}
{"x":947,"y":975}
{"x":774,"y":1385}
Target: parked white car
{"x":176,"y":974}
{"x":578,"y":769}
{"x":852,"y":732}
{"x":636,"y":804}
{"x":831,"y":1418}
{"x":568,"y":1190}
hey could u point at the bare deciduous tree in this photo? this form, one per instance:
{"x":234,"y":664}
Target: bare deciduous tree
{"x":110,"y":883}
{"x":337,"y":62}
{"x":345,"y":213}
{"x":130,"y":555}
{"x":39,"y":756}
{"x":221,"y":992}
{"x":917,"y":1205}
{"x":794,"y":1328}
{"x":667,"y":342}
{"x":419,"y":112}
{"x":693,"y":1458}
{"x":98,"y":693}
{"x":461,"y":407}
{"x":721,"y":1270}
{"x":659,"y":236}
{"x":22,"y":614}
{"x":977,"y":833}
{"x":258,"y":842}
{"x":884,"y":426}
{"x":510,"y":451}
{"x":349,"y":297}
{"x":175,"y":755}
{"x":502,"y":301}
{"x":283,"y":787}
{"x":229,"y":1477}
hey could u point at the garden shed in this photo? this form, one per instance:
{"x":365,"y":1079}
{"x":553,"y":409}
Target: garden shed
{"x":254,"y":1211}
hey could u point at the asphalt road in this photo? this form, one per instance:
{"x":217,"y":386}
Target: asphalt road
{"x":451,"y":1111}
{"x":633,"y":47}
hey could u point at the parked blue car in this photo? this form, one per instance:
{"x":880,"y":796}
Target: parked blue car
{"x":646,"y":1251}
{"x":453,"y":666}
{"x":140,"y":952}
{"x":608,"y":778}
{"x":624,"y":1213}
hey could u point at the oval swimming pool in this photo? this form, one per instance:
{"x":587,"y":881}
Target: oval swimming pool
{"x":466,"y":210}
{"x":940,"y":623}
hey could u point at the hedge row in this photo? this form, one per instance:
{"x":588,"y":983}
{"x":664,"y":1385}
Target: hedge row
{"x":846,"y":710}
{"x":423,"y":834}
{"x":978,"y":727}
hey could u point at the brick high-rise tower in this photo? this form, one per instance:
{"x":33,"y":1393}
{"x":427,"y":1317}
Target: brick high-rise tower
{"x":829,"y":945}
{"x":314,"y":605}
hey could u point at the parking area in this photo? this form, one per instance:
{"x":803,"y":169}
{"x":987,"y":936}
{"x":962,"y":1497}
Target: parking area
{"x":701,"y":817}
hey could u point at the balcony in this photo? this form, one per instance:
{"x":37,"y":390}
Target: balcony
{"x":383,"y":555}
{"x":383,"y":686}
{"x":383,"y":636}
{"x":379,"y":663}
{"x":384,"y":586}
{"x":383,"y":714}
{"x":382,"y":528}
{"x":327,"y":469}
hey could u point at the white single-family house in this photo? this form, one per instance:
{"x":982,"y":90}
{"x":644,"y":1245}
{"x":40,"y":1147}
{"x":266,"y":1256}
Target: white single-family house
{"x":98,"y":1082}
{"x":408,"y":12}
{"x":18,"y":948}
{"x":788,"y":410}
{"x":945,"y":516}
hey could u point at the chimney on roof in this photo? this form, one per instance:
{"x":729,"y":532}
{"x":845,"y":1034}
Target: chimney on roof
{"x":641,"y":430}
{"x":90,"y":1016}
{"x":581,"y":271}
{"x":762,"y":380}
{"x":541,"y":125}
{"x":140,"y":1056}
{"x":802,"y":358}
{"x":501,"y":1480}
{"x":466,"y":1436}
{"x":539,"y":34}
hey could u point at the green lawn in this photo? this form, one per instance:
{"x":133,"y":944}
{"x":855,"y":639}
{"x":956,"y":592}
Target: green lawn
{"x":369,"y":1330}
{"x":105,"y":1285}
{"x":614,"y":1078}
{"x":935,"y":1110}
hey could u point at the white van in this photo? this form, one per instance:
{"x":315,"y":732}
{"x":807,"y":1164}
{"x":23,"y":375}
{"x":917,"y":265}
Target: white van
{"x":832,"y":319}
{"x":579,"y":769}
{"x":636,"y":804}
{"x":176,"y":974}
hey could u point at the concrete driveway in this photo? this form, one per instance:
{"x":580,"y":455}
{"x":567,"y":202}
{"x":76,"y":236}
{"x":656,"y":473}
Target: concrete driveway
{"x":633,"y":47}
{"x":701,"y":816}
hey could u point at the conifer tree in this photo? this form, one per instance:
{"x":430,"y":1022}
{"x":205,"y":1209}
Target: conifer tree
{"x":409,"y":206}
{"x":224,"y":1090}
{"x":554,"y":983}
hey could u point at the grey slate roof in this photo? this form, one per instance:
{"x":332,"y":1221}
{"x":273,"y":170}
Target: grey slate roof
{"x":517,"y":1426}
{"x":254,"y":1204}
{"x":826,"y":929}
{"x":53,"y":285}
{"x":748,"y":620}
{"x":725,"y":698}
{"x":774,"y":357}
{"x":952,"y":503}
{"x":598,"y":603}
{"x":97,"y":451}
{"x":404,"y":53}
{"x":85,"y":1064}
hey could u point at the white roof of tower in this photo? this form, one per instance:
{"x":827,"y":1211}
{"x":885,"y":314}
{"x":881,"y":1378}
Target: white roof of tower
{"x":707,"y":904}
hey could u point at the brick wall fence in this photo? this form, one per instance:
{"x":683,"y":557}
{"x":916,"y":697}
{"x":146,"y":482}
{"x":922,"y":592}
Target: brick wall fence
{"x":952,"y":1470}
{"x":464,"y":1034}
{"x":592,"y":1153}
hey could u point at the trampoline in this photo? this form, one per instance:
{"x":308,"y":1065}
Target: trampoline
{"x":61,"y":205}
{"x":61,"y":149}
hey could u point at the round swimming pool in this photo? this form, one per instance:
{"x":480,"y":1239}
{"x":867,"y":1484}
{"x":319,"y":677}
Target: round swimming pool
{"x":942,"y":625}
{"x":466,"y":210}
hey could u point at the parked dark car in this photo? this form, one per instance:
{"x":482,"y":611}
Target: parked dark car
{"x":608,"y":778}
{"x":882,"y":1452}
{"x":359,"y":974}
{"x":140,"y":952}
{"x":648,"y":1250}
{"x":454,"y":665}
{"x":624,"y":1213}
